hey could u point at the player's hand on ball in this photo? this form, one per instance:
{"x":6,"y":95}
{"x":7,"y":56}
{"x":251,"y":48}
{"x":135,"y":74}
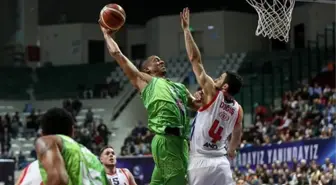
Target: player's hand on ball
{"x":104,"y":30}
{"x":185,"y":18}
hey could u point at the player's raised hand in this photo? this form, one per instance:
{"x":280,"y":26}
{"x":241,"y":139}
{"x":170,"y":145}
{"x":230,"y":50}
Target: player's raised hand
{"x":185,"y":17}
{"x":104,"y":30}
{"x":112,"y":46}
{"x":198,"y":95}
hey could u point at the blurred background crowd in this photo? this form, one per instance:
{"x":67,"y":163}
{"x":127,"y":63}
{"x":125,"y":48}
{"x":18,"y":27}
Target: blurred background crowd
{"x":15,"y":129}
{"x":301,"y":172}
{"x":307,"y":113}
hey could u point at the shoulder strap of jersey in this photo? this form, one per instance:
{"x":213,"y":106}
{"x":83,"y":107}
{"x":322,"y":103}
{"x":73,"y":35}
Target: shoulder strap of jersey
{"x":238,"y":114}
{"x":123,"y":170}
{"x":205,"y":107}
{"x":22,"y":175}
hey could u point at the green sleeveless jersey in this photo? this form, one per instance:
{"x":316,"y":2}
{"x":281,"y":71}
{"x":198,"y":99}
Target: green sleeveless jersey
{"x":166,"y":103}
{"x":83,"y":167}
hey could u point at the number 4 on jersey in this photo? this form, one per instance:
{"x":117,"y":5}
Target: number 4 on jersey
{"x":215,"y":132}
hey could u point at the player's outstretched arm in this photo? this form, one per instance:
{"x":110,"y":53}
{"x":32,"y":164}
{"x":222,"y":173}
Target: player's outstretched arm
{"x":236,"y":134}
{"x":194,"y":55}
{"x":48,"y":149}
{"x":138,"y":79}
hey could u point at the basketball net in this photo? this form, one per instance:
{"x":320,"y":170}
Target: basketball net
{"x":275,"y":18}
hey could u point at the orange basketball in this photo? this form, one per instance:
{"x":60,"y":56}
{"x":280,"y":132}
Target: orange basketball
{"x":112,"y":17}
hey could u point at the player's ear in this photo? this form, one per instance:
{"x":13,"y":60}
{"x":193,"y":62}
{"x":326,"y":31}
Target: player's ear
{"x":146,"y":70}
{"x":225,"y":87}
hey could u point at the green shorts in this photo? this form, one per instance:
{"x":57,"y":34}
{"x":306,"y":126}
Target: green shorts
{"x":170,"y":154}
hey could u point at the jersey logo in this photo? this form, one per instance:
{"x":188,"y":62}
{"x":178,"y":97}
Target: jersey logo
{"x":210,"y":145}
{"x":224,"y":116}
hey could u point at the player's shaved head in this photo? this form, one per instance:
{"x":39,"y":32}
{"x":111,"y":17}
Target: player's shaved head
{"x":154,"y":66}
{"x":146,"y":63}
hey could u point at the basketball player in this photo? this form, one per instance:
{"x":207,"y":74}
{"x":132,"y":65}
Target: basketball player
{"x":219,"y":117}
{"x":61,"y":160}
{"x":116,"y":176}
{"x":166,"y":104}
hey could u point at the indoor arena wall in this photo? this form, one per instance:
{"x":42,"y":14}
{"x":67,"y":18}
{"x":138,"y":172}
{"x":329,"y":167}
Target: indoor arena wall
{"x":216,"y":33}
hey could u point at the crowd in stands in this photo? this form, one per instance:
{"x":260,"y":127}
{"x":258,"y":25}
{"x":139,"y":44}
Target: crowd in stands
{"x":307,"y":113}
{"x":301,"y":173}
{"x":91,"y":133}
{"x":138,"y":142}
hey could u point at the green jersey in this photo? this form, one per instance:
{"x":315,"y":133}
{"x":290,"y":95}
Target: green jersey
{"x":166,"y":103}
{"x":83,"y":167}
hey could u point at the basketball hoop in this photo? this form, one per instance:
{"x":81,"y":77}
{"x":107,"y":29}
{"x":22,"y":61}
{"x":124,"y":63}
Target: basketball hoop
{"x":275,"y":17}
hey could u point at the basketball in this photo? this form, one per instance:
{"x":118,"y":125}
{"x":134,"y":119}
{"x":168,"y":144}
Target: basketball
{"x":112,"y":17}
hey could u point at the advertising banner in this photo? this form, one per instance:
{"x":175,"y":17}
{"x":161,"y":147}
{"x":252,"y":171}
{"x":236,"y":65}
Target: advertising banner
{"x":317,"y":149}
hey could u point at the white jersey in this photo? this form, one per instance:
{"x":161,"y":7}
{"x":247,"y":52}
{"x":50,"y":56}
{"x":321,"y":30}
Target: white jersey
{"x":212,"y":126}
{"x":31,"y":175}
{"x":119,"y":178}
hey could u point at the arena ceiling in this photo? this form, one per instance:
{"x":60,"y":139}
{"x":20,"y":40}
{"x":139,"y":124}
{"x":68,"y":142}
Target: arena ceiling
{"x":138,"y":11}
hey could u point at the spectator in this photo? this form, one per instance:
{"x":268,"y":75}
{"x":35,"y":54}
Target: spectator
{"x":88,"y":93}
{"x":31,"y":121}
{"x":89,"y":118}
{"x":103,"y":131}
{"x":5,"y":138}
{"x":16,"y":125}
{"x":22,"y":161}
{"x":76,"y":106}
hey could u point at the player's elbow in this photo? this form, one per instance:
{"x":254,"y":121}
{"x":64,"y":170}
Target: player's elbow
{"x":195,"y":59}
{"x":57,"y":177}
{"x":118,"y":55}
